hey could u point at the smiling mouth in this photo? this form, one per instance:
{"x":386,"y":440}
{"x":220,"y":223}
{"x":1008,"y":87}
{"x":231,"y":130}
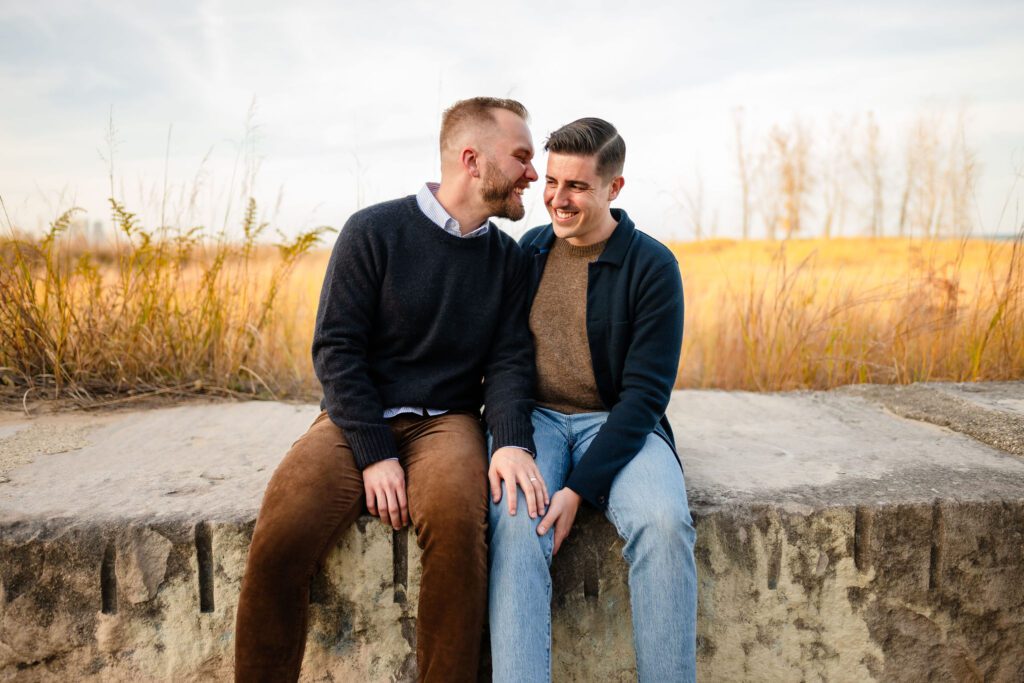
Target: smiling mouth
{"x":564,"y":215}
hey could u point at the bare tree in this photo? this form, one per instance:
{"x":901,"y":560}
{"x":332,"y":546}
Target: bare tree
{"x":848,"y":171}
{"x":835,"y":161}
{"x":870,"y":167}
{"x":693,"y":204}
{"x":923,"y":192}
{"x":766,"y":191}
{"x":922,"y":205}
{"x":910,"y":161}
{"x":788,"y":170}
{"x":961,"y":178}
{"x":743,"y":166}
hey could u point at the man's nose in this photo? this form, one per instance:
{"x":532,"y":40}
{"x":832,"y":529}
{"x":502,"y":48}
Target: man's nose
{"x":558,"y":198}
{"x":531,"y":172}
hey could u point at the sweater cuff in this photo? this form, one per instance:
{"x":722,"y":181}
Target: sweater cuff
{"x":594,"y":492}
{"x":371,"y":444}
{"x":512,"y":430}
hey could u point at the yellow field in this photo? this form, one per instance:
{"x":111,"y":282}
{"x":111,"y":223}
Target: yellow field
{"x":823,"y":313}
{"x":180,"y":315}
{"x":819,"y":313}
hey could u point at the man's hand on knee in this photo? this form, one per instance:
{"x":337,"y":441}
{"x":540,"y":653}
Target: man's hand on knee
{"x":561,"y":515}
{"x":384,"y":483}
{"x":515,"y":466}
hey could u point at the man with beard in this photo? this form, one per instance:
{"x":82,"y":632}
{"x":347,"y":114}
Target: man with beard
{"x":422,"y":318}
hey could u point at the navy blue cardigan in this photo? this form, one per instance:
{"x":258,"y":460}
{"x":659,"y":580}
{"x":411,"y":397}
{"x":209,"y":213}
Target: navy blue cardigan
{"x":635,"y":330}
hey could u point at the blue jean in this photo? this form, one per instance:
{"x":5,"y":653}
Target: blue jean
{"x":647,"y":504}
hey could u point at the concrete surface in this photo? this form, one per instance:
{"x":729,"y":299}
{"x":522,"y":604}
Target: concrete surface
{"x":837,"y":540}
{"x":991,"y":412}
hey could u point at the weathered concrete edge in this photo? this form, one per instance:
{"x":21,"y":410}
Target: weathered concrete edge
{"x":925,"y":403}
{"x":781,"y":592}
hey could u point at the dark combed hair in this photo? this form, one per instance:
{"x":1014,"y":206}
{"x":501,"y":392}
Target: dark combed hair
{"x":476,"y":109}
{"x":589,"y":137}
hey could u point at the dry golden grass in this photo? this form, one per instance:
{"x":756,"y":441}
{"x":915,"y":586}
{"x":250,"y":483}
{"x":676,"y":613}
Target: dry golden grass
{"x":178,"y":313}
{"x":823,"y":313}
{"x":167,"y":312}
{"x":767,"y":316}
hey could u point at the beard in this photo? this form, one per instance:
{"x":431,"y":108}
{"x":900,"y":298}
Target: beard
{"x":500,"y":196}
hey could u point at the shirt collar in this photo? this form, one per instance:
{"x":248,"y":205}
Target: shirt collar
{"x":426,"y":199}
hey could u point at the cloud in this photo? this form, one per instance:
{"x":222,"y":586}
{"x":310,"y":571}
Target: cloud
{"x":351,"y":94}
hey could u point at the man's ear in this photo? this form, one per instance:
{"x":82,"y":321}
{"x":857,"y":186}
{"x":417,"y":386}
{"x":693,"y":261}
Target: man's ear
{"x":615,"y":187}
{"x":470,"y":161}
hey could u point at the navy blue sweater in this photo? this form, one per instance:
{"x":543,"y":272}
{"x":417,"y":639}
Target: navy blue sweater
{"x":411,"y":315}
{"x":635,"y":329}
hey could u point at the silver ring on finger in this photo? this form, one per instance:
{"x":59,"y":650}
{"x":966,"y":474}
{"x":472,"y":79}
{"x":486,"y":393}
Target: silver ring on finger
{"x":533,"y":478}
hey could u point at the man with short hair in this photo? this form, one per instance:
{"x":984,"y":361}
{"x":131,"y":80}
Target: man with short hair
{"x":607,"y":323}
{"x":422,"y":318}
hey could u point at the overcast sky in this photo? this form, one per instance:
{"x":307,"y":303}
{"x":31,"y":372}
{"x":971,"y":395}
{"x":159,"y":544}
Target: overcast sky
{"x":348,"y":95}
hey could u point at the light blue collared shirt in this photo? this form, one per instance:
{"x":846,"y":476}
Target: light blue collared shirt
{"x":426,"y":198}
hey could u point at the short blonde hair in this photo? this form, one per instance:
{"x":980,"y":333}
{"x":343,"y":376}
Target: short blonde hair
{"x":475,"y":110}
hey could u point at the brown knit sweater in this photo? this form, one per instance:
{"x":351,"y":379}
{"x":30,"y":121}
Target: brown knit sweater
{"x":558,"y":321}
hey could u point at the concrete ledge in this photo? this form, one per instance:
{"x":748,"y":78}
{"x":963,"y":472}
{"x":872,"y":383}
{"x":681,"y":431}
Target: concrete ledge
{"x":992,"y":412}
{"x":836,"y":541}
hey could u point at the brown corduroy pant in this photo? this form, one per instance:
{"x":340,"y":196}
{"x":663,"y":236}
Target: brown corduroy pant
{"x":316,"y":494}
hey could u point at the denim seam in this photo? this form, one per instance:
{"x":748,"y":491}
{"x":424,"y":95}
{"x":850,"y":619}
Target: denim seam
{"x":618,"y":530}
{"x":547,"y":647}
